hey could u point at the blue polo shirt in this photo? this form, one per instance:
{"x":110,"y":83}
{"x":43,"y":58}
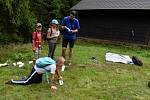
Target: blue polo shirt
{"x":72,"y":25}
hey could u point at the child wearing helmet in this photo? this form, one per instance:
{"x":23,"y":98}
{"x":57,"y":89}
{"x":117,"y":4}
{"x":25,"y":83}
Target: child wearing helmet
{"x":52,"y":36}
{"x":36,"y":41}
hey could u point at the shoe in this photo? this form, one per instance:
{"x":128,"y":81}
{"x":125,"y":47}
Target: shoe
{"x":69,"y":63}
{"x":8,"y":82}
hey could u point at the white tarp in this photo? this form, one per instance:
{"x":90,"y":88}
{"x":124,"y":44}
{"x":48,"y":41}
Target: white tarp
{"x":117,"y":58}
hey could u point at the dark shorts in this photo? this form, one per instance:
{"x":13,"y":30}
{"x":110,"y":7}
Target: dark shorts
{"x":66,"y":41}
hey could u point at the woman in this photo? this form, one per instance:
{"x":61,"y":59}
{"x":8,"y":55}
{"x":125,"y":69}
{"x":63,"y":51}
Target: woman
{"x":52,"y":36}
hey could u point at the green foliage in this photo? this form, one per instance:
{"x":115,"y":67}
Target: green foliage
{"x":20,"y":16}
{"x":46,"y":10}
{"x":9,"y":38}
{"x":23,"y":16}
{"x":17,"y":18}
{"x":18,"y":56}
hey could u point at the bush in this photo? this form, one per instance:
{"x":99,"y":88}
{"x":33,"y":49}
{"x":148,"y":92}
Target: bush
{"x":10,"y":38}
{"x":16,"y":18}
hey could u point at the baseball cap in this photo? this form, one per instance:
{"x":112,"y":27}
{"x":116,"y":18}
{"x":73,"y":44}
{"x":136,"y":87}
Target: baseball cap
{"x":38,"y":25}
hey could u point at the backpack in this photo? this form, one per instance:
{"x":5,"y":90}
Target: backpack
{"x":137,"y":61}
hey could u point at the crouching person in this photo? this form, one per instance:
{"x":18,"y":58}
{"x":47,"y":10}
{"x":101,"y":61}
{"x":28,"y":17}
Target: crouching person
{"x":43,"y":65}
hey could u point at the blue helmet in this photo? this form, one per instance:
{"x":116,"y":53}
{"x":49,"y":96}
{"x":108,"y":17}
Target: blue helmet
{"x":54,"y":21}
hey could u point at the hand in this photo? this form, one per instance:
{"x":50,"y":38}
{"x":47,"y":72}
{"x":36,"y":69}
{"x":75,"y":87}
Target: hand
{"x":48,"y":37}
{"x":63,"y":27}
{"x":53,"y":87}
{"x":60,"y":78}
{"x":33,"y":49}
{"x":40,"y":43}
{"x":73,"y":31}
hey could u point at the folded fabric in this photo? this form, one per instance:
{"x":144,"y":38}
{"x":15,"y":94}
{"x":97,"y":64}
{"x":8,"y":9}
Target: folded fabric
{"x":19,"y":64}
{"x":117,"y":58}
{"x":3,"y":65}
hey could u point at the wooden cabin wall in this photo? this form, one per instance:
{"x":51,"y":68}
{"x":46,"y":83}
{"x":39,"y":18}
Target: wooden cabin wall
{"x":118,"y":25}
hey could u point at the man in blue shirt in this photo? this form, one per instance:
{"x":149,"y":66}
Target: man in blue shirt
{"x":70,"y":26}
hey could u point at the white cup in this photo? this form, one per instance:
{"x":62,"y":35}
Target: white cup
{"x":61,"y":82}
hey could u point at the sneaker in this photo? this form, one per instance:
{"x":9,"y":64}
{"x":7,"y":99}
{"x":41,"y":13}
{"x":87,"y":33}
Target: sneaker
{"x":69,"y":63}
{"x":8,"y":82}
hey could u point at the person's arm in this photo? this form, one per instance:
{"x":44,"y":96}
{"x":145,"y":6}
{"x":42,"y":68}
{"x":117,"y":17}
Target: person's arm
{"x":52,"y":79}
{"x":47,"y":77}
{"x":58,"y":34}
{"x":58,"y":74}
{"x":74,"y":31}
{"x":52,"y":72}
{"x":77,"y":25}
{"x":33,"y":41}
{"x":40,"y":39}
{"x":63,"y":24}
{"x":49,"y":34}
{"x":63,"y":27}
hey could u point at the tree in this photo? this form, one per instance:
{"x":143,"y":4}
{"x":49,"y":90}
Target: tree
{"x":17,"y":17}
{"x":46,"y":10}
{"x":20,"y":16}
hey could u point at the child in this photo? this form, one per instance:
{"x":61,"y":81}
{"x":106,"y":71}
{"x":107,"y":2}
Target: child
{"x":43,"y":65}
{"x":52,"y":35}
{"x":36,"y":41}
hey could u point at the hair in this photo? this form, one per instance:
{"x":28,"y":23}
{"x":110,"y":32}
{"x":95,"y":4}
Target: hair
{"x":73,"y":13}
{"x":57,"y":27}
{"x":61,"y":59}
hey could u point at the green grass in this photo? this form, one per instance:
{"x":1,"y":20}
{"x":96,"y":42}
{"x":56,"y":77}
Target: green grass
{"x":85,"y":80}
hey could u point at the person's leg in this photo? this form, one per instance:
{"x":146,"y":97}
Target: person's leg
{"x":71,"y":43}
{"x":34,"y":77}
{"x":64,"y":47}
{"x":53,"y":50}
{"x":50,"y":49}
{"x":34,"y":61}
{"x":64,"y":52}
{"x":37,"y":78}
{"x":36,"y":55}
{"x":70,"y":56}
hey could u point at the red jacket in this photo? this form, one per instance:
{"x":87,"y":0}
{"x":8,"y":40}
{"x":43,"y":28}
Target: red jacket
{"x":37,"y":38}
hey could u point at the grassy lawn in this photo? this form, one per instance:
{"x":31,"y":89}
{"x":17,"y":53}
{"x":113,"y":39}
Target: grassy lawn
{"x":85,"y":80}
